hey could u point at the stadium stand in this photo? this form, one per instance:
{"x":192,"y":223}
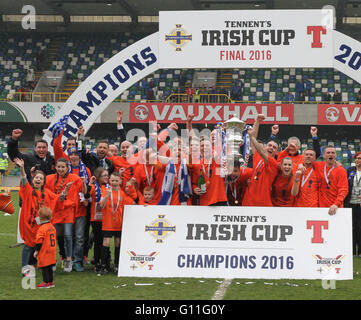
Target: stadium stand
{"x":79,"y":54}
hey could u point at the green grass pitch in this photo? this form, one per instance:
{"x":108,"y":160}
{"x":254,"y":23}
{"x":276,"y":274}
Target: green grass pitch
{"x":88,"y":286}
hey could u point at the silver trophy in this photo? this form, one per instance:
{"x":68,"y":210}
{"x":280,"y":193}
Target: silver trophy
{"x":233,"y":129}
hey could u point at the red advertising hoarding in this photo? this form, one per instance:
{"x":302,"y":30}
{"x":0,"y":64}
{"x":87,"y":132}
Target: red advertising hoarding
{"x":339,"y":114}
{"x":210,"y":112}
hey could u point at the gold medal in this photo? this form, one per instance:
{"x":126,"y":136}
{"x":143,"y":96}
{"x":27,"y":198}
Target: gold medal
{"x":114,"y":218}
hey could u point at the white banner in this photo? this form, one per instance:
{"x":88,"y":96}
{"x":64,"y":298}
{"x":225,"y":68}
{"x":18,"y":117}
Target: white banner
{"x":113,"y":77}
{"x":245,"y":39}
{"x":347,"y":53}
{"x":236,"y":242}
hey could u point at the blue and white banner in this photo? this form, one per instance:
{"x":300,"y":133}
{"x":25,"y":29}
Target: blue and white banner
{"x":236,"y":242}
{"x":112,"y":78}
{"x":347,"y":55}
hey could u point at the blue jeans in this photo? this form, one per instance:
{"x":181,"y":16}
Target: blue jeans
{"x":26,"y":254}
{"x":79,"y":228}
{"x":66,"y":230}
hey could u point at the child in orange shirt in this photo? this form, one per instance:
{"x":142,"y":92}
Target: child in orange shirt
{"x":6,"y":204}
{"x":45,"y":249}
{"x":147,"y":198}
{"x":112,"y":204}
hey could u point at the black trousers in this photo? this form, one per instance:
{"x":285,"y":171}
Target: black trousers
{"x":48,"y":275}
{"x":98,"y":240}
{"x":356,"y":228}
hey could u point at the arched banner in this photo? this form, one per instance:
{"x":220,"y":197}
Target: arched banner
{"x":112,"y":78}
{"x":313,"y":34}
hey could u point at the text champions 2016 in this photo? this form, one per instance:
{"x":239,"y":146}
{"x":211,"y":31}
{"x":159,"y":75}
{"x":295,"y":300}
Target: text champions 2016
{"x":110,"y":81}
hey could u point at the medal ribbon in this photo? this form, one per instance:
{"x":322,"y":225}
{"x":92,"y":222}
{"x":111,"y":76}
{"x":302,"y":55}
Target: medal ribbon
{"x":305,"y":180}
{"x":111,"y":198}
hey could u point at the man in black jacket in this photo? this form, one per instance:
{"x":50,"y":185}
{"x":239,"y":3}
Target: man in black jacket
{"x":39,"y":159}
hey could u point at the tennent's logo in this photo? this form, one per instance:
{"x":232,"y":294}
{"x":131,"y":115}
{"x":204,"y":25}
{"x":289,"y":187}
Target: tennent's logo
{"x":317,"y":227}
{"x":160,"y":229}
{"x":178,"y":37}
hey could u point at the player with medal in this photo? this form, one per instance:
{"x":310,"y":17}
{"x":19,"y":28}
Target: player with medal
{"x":333,"y":181}
{"x":112,"y":204}
{"x":307,"y":181}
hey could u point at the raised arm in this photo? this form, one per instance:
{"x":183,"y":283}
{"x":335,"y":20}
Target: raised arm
{"x":296,"y":185}
{"x":120,"y":127}
{"x":260,"y":117}
{"x":256,"y":145}
{"x":13,"y":145}
{"x":315,"y":142}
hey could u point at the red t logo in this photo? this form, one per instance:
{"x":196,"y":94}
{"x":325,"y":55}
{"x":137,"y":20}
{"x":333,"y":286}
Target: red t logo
{"x":317,"y":230}
{"x":316,"y":33}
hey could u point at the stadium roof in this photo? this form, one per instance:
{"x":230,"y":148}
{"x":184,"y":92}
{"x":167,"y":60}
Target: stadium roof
{"x":152,"y":7}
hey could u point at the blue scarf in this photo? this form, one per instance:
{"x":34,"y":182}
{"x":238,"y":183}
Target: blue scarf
{"x":82,"y":170}
{"x":56,"y":129}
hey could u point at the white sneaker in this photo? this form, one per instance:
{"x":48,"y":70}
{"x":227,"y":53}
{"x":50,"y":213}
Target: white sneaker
{"x":68,"y":266}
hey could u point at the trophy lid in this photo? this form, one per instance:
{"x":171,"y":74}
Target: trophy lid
{"x":234,"y":119}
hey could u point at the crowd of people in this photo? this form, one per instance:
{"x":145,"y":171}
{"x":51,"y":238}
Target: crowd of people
{"x":87,"y":190}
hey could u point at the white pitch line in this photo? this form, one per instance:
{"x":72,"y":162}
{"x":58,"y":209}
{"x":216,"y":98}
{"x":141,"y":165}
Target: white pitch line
{"x":7,"y":234}
{"x":221,"y":291}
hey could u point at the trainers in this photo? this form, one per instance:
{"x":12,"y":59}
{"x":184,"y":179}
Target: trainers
{"x":51,"y":284}
{"x":43,"y":285}
{"x":103,"y":270}
{"x":97,"y":268}
{"x":85,"y":260}
{"x":78,"y":267}
{"x":68,"y":266}
{"x":115,"y":270}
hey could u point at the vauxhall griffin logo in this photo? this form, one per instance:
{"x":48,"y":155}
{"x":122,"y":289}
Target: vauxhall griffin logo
{"x":332,"y":114}
{"x":141,"y":112}
{"x":178,"y":37}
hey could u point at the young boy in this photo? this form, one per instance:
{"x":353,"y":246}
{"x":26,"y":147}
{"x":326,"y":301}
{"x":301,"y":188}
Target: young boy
{"x":112,"y":204}
{"x":45,"y":249}
{"x":147,"y":197}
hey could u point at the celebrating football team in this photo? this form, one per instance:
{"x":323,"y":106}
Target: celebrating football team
{"x":76,"y":197}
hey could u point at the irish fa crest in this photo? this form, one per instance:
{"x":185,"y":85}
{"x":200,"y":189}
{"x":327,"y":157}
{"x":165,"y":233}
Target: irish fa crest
{"x":178,"y":37}
{"x":160,"y":229}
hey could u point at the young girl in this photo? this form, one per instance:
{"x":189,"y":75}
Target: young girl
{"x":77,"y":167}
{"x":63,"y":220}
{"x":45,"y":249}
{"x":112,"y":204}
{"x":34,"y":197}
{"x":98,"y":184}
